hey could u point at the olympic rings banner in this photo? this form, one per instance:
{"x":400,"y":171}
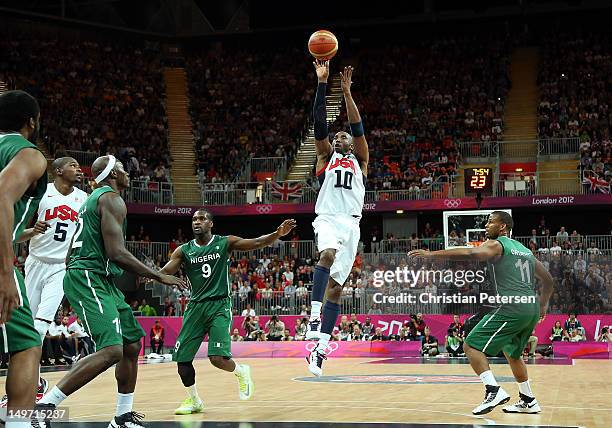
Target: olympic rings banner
{"x":381,"y":206}
{"x":389,"y":324}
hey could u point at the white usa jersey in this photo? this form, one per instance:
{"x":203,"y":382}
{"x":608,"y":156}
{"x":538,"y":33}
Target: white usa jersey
{"x":61,"y":212}
{"x":342,"y":186}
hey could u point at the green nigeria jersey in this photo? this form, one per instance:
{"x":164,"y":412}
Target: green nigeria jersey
{"x":88,"y":251}
{"x":207,"y":267}
{"x":26,"y":207}
{"x":513,"y":274}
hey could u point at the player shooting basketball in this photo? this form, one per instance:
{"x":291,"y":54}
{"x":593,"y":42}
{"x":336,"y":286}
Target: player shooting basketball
{"x":513,"y":271}
{"x":342,"y":167}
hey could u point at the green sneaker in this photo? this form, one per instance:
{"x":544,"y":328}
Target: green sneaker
{"x":190,"y":406}
{"x":245,"y":383}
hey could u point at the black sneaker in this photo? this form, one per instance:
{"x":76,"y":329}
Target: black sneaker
{"x":46,"y":408}
{"x":525,"y":404}
{"x":127,"y":420}
{"x":494,"y":396}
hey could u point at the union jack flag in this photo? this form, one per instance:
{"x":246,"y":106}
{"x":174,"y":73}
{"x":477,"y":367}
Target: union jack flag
{"x":286,"y":190}
{"x":597,"y":184}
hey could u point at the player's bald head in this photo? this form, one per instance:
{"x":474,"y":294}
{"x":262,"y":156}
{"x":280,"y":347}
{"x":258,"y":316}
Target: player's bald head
{"x":99,"y":165}
{"x":60,"y":163}
{"x":204,"y":212}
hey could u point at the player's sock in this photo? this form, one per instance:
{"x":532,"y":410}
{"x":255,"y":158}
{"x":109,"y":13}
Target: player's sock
{"x":55,"y":397}
{"x":192,"y":391}
{"x":488,"y":379}
{"x":315,"y":310}
{"x":319,"y":284}
{"x":330,"y":316}
{"x":237,"y":370}
{"x":525,"y":389}
{"x":124,"y":403}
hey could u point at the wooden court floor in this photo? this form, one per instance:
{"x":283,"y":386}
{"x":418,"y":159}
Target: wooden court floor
{"x":570,"y":395}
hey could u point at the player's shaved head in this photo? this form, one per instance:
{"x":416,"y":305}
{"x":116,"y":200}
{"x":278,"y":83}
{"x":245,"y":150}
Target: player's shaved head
{"x":60,"y":163}
{"x":99,"y":164}
{"x":504,"y":218}
{"x":206,"y":213}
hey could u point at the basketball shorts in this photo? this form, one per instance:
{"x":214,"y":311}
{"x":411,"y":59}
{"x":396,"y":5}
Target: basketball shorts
{"x":97,"y":301}
{"x":19,"y":333}
{"x":509,"y":332}
{"x":211,"y":316}
{"x":45,"y":287}
{"x":340,"y":232}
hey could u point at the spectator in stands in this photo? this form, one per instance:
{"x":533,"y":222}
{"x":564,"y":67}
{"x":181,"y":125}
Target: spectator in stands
{"x":378,"y":336}
{"x":345,"y":332}
{"x":84,"y":343}
{"x":168,"y":307}
{"x":571,"y":324}
{"x":454,"y":343}
{"x":57,"y":342}
{"x":576,"y":336}
{"x":354,"y":321}
{"x":235,"y":337}
{"x":374,"y":309}
{"x":275,"y":329}
{"x":532,"y":344}
{"x":301,"y":325}
{"x":146,"y":310}
{"x":419,"y":324}
{"x":157,"y":336}
{"x":248,"y":311}
{"x":368,"y":328}
{"x":562,"y":235}
{"x":287,"y":336}
{"x":249,"y":326}
{"x":357,"y":335}
{"x":556,"y":332}
{"x":429,"y":344}
{"x":605,"y":335}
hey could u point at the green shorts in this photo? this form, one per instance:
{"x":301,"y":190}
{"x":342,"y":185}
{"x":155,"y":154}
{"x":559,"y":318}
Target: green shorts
{"x":97,"y":301}
{"x":19,"y":333}
{"x":504,"y":331}
{"x":213,"y":317}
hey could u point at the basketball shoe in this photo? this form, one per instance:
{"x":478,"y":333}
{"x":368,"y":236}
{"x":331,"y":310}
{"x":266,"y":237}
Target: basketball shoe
{"x":525,"y":404}
{"x":314,"y":329}
{"x":127,"y":420}
{"x":245,"y":382}
{"x":315,"y":361}
{"x":494,"y":396}
{"x":43,"y":386}
{"x":189,"y":406}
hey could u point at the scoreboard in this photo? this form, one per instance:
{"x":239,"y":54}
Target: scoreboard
{"x":478,"y":180}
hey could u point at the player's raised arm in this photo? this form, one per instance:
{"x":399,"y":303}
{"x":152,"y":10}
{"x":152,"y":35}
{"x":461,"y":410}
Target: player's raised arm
{"x":319,"y":114}
{"x":175,"y":262}
{"x":547,"y":286}
{"x":22,"y":171}
{"x":487,"y":251}
{"x":360,"y":145}
{"x":112,"y":213}
{"x":241,"y":244}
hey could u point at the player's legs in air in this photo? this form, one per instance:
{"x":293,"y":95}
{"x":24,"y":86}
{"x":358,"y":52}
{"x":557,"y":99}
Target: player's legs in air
{"x":337,"y":240}
{"x":509,"y":333}
{"x":117,"y":340}
{"x":215,"y":318}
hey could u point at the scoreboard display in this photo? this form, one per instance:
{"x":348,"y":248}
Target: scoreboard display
{"x":478,"y":180}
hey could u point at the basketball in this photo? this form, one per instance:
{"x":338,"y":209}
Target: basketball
{"x":323,"y":45}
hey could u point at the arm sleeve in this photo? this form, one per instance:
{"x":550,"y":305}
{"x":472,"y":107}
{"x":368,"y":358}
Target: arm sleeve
{"x":319,"y":113}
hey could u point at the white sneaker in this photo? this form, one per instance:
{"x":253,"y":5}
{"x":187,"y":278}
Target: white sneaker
{"x":189,"y":406}
{"x":494,"y":396}
{"x":127,"y":420}
{"x":524,"y":406}
{"x":314,"y":329}
{"x":245,"y":383}
{"x":315,"y":362}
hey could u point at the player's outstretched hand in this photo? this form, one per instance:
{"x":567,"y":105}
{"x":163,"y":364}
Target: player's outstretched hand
{"x":345,"y":79}
{"x":173,"y":280}
{"x":41,"y":227}
{"x":9,"y":296}
{"x":322,"y":69}
{"x":286,"y":227}
{"x":418,"y":253}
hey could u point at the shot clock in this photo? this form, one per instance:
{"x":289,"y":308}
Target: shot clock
{"x":478,"y":181}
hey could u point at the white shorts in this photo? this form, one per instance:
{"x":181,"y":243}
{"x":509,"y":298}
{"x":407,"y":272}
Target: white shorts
{"x":342,"y":234}
{"x":45,"y":287}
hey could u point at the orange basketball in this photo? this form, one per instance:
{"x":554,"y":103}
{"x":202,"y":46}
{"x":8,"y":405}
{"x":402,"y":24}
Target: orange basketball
{"x":323,"y":45}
